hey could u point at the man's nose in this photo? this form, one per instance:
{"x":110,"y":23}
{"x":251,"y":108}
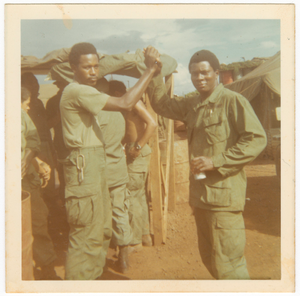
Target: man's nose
{"x":201,"y":76}
{"x":92,"y":71}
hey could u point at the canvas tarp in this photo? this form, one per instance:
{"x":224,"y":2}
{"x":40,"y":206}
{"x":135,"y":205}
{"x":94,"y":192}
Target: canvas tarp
{"x":50,"y":59}
{"x":267,"y":73}
{"x":123,"y":64}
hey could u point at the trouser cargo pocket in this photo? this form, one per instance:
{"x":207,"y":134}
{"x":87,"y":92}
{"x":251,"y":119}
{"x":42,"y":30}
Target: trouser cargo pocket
{"x":80,"y":210}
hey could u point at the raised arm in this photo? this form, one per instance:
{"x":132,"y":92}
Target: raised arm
{"x":130,"y":98}
{"x":151,"y":125}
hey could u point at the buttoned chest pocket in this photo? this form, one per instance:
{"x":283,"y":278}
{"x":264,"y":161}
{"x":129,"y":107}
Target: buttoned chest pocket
{"x":216,"y":128}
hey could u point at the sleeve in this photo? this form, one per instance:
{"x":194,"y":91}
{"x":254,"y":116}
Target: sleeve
{"x":29,"y":135}
{"x":91,"y":99}
{"x":251,"y":138}
{"x":162,"y":104}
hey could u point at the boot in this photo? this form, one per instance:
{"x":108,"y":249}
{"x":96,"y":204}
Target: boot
{"x":147,"y":240}
{"x":123,"y":259}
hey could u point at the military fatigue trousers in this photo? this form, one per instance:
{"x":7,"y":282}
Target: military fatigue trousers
{"x":42,"y":246}
{"x":88,"y":207}
{"x":221,"y":241}
{"x":122,"y":234}
{"x":138,"y":209}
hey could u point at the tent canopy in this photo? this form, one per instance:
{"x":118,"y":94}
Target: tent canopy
{"x":56,"y":62}
{"x":267,"y":73}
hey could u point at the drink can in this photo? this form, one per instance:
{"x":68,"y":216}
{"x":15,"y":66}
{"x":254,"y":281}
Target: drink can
{"x":200,"y":176}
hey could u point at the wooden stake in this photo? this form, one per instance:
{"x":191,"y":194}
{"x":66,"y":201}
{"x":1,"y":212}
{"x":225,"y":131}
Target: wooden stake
{"x":155,"y":185}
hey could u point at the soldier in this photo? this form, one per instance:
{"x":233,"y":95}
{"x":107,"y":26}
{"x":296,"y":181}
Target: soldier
{"x":88,"y":204}
{"x":224,"y":135}
{"x":32,"y":170}
{"x":139,"y":128}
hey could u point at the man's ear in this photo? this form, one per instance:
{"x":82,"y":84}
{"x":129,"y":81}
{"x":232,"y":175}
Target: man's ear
{"x":217,"y":72}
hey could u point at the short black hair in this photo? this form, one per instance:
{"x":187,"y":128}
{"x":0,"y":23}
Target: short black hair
{"x":25,"y":94}
{"x":205,"y":56}
{"x":115,"y":85}
{"x":29,"y":81}
{"x":81,"y":49}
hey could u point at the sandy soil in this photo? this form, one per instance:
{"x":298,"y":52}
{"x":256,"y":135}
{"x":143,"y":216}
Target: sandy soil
{"x":179,"y":257}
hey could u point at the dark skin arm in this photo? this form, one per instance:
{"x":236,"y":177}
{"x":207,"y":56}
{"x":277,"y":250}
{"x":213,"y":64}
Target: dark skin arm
{"x":151,"y":125}
{"x":130,"y":98}
{"x":53,"y":121}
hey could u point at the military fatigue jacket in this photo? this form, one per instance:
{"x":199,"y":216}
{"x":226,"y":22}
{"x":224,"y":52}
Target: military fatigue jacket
{"x":78,"y":107}
{"x":29,"y":140}
{"x":223,"y":127}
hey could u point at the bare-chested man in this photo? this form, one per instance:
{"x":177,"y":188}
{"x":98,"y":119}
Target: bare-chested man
{"x":139,"y":127}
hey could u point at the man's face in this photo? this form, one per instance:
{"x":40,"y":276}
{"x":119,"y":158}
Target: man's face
{"x":86,"y":72}
{"x":204,"y":77}
{"x":25,"y":105}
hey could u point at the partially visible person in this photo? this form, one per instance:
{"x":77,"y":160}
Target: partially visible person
{"x":224,"y":135}
{"x":112,"y":125}
{"x":88,"y":203}
{"x":34,"y":169}
{"x":54,"y":121}
{"x":37,"y":114}
{"x":139,"y":128}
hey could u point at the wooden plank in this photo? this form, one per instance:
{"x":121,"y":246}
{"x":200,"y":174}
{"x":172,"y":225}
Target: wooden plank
{"x":169,"y":80}
{"x":166,"y":195}
{"x":172,"y":193}
{"x":155,"y":185}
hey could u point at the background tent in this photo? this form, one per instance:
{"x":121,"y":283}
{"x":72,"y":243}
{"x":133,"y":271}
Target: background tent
{"x":267,"y":74}
{"x":262,"y":88}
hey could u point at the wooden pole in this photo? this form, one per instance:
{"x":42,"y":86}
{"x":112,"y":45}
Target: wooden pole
{"x":155,"y":184}
{"x":166,"y":196}
{"x":172,"y":196}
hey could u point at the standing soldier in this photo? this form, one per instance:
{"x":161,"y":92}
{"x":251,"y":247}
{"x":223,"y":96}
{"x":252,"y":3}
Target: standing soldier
{"x":224,"y":135}
{"x":139,"y":128}
{"x":88,"y":203}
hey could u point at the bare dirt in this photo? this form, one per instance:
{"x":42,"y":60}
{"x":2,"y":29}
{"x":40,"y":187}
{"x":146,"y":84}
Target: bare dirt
{"x":179,"y":257}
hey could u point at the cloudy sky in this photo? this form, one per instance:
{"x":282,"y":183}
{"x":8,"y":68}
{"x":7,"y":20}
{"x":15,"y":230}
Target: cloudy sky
{"x":231,"y":40}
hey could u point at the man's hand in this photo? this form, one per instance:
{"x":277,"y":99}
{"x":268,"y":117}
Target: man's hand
{"x":44,"y":172}
{"x":201,"y":164}
{"x":133,"y":153}
{"x":152,"y":58}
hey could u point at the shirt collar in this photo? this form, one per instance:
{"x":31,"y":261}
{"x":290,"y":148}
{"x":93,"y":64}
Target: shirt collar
{"x":213,"y":98}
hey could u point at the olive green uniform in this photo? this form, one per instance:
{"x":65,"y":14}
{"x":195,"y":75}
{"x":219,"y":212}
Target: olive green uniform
{"x":225,"y":128}
{"x":42,"y":247}
{"x":112,"y":125}
{"x":88,"y":203}
{"x":138,"y":209}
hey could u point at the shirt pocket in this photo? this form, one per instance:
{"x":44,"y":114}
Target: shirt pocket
{"x":80,"y":211}
{"x":218,"y":194}
{"x":216,"y":128}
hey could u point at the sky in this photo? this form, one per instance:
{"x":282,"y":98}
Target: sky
{"x":231,"y":40}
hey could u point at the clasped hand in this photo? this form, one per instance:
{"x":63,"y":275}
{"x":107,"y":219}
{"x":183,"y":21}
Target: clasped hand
{"x":152,"y":58}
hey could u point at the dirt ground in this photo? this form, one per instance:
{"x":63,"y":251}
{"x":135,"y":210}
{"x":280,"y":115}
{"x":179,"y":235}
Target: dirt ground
{"x":179,"y":257}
